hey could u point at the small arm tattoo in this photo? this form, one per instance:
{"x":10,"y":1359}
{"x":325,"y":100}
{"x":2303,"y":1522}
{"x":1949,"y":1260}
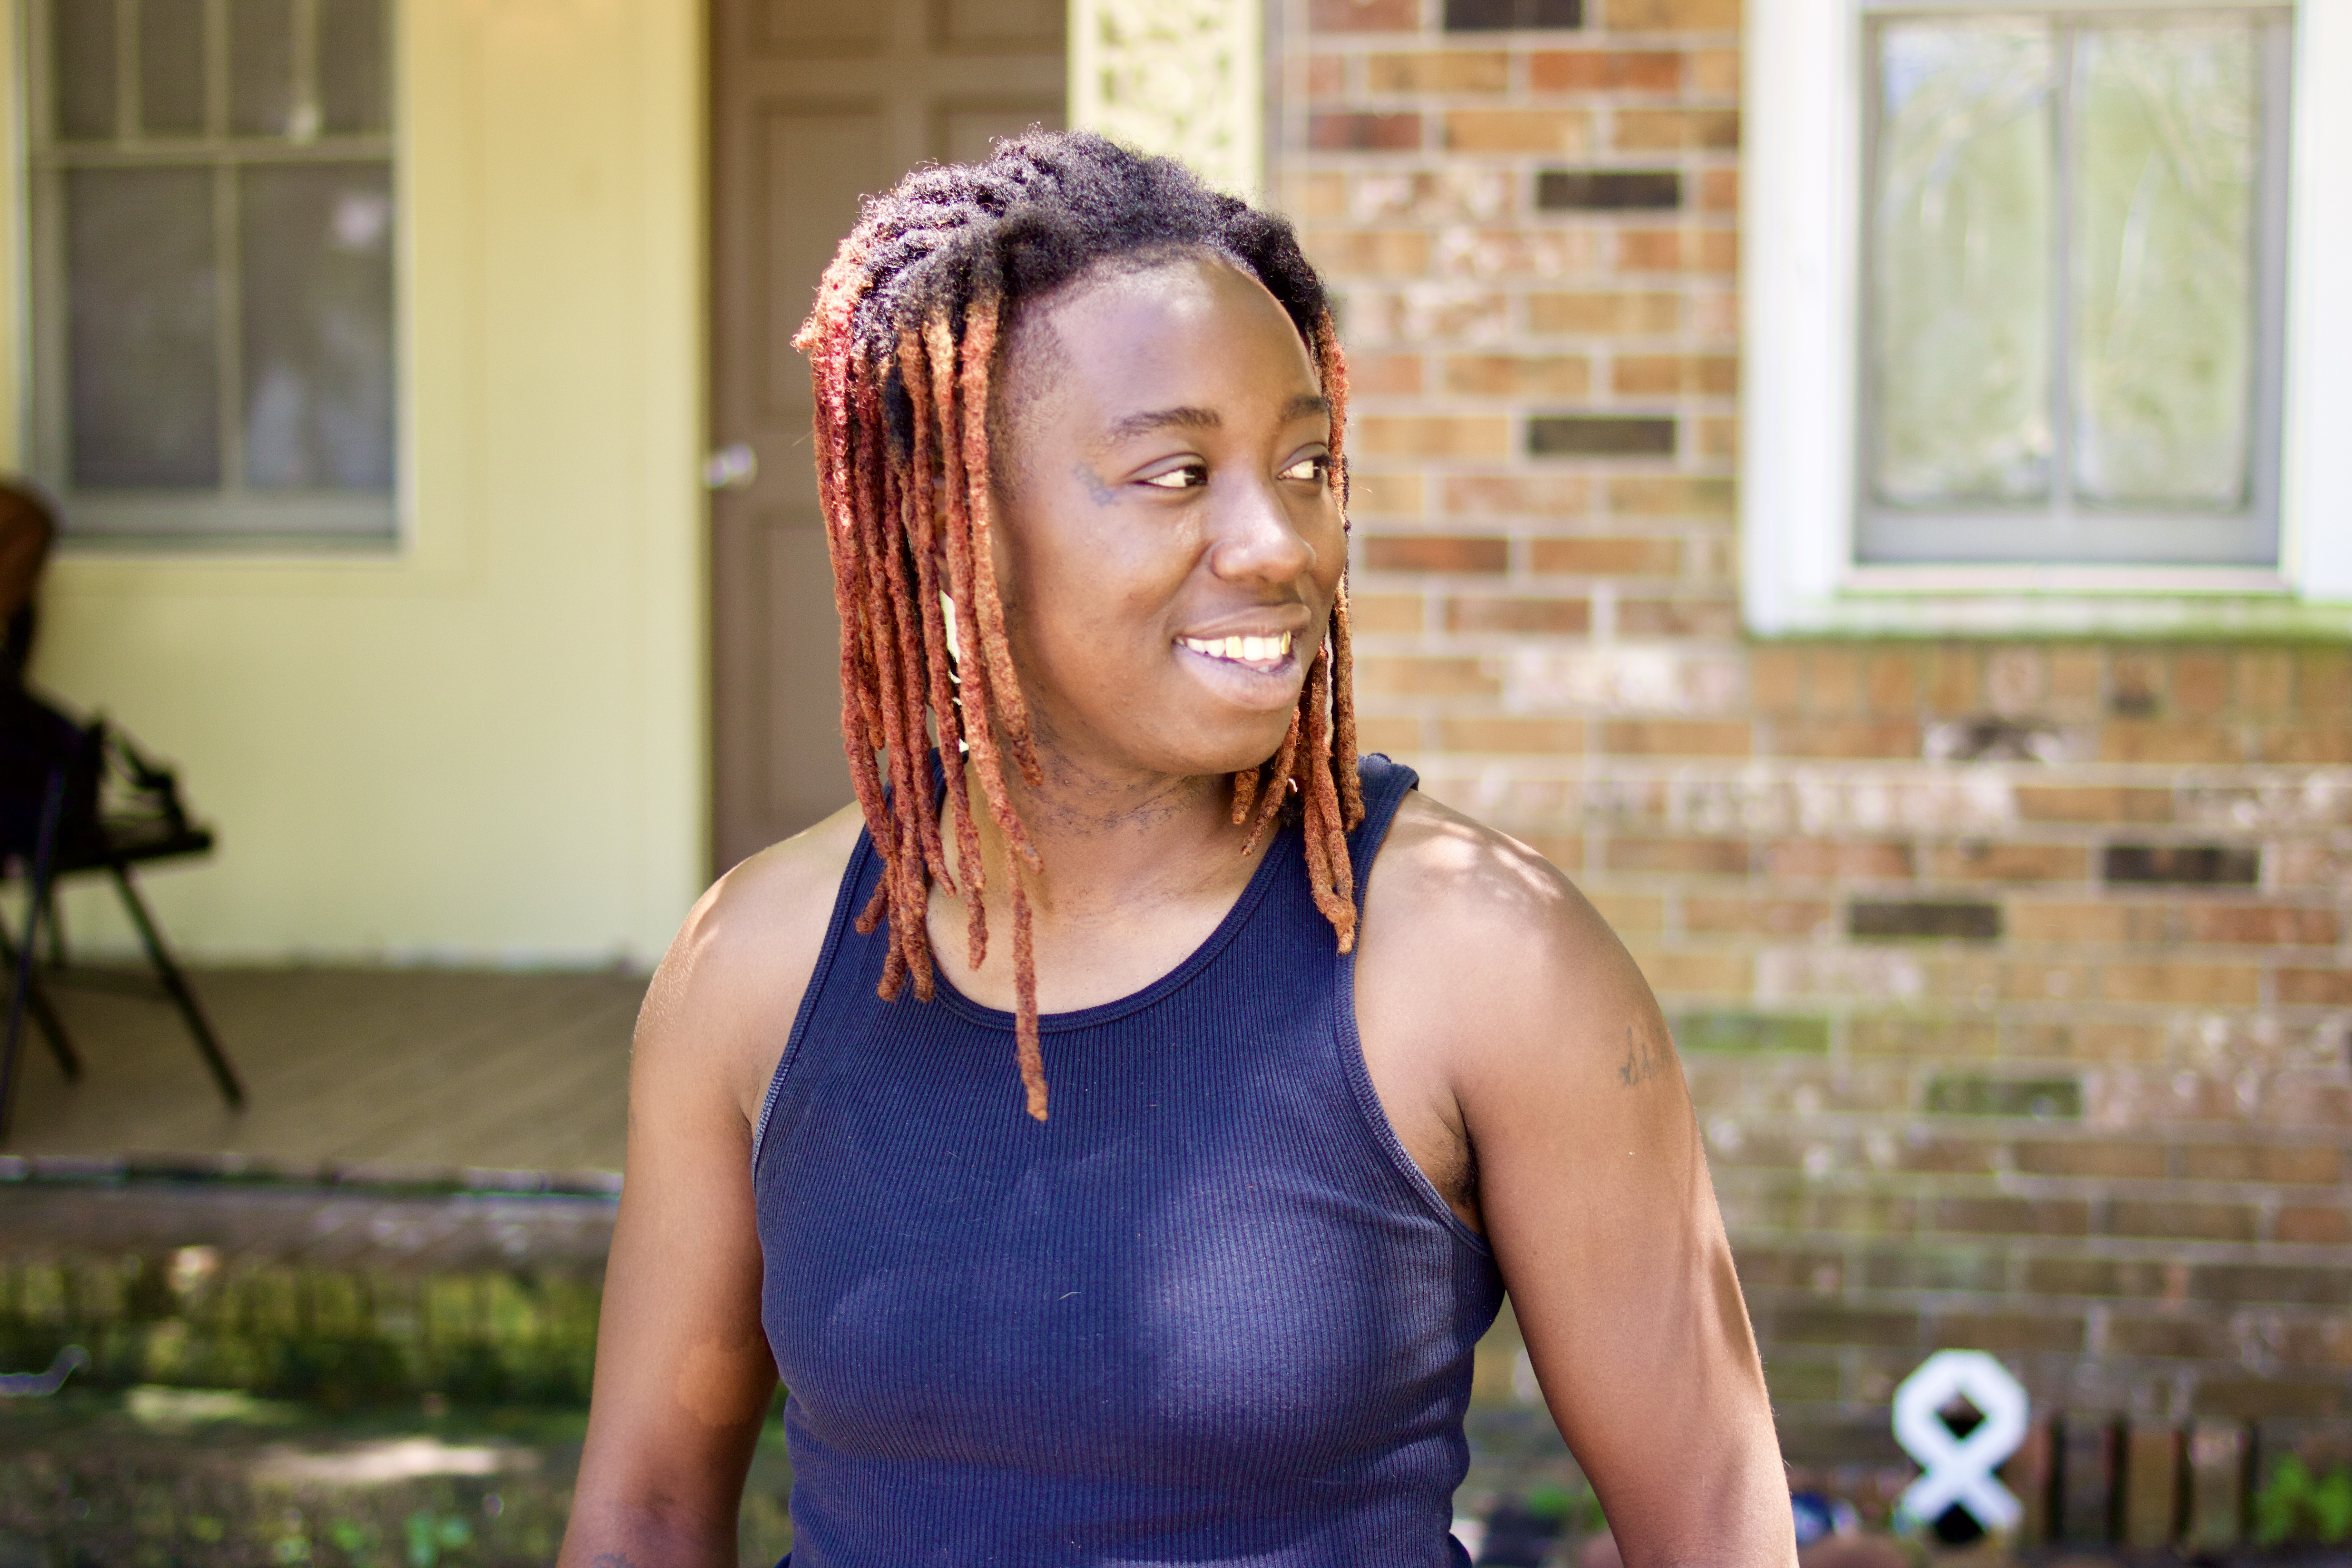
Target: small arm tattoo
{"x":1643,"y":1061}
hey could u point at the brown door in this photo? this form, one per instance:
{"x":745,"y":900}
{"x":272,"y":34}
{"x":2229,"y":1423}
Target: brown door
{"x":815,"y":103}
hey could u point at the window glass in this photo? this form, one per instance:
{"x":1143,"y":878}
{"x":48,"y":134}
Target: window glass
{"x":355,"y":83}
{"x":261,"y":67}
{"x":172,"y":68}
{"x":2169,"y":143}
{"x":1960,"y":281}
{"x":143,"y":333}
{"x":316,"y":253}
{"x":82,"y":80}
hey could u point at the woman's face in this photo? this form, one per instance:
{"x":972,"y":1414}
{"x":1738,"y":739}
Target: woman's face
{"x":1171,"y":543}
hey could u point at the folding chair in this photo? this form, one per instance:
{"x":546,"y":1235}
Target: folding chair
{"x":102,"y":808}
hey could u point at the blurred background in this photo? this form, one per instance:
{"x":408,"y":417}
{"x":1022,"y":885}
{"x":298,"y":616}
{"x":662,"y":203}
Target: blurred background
{"x":1859,"y":485}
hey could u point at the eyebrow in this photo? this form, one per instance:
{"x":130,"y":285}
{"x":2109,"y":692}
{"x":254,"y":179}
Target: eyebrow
{"x":1187,"y":417}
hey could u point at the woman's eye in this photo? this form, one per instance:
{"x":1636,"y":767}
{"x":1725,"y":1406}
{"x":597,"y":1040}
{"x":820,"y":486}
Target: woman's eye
{"x":1317,"y":468}
{"x":1185,"y":478}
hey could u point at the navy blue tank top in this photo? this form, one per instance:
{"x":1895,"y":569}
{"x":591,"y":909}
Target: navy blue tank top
{"x":1210,"y":1313}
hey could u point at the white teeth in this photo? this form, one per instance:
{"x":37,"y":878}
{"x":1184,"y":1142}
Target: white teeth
{"x":1249,"y":650}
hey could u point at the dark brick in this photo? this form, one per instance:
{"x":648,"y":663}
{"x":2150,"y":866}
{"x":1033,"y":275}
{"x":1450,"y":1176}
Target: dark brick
{"x":2198,"y":865}
{"x":1607,"y":190}
{"x":1873,"y":919}
{"x":2008,"y":1331}
{"x":1750,"y":1032}
{"x":2044,"y":1099}
{"x":1598,"y":436}
{"x":1499,"y":15}
{"x":2181,"y":1339}
{"x":2013,"y":1217}
{"x":2092,"y":1157}
{"x":1845,"y":1326}
{"x":1938,"y":1270}
{"x":1363,"y":16}
{"x":2184,"y":1221}
{"x":1363,"y":132}
{"x":2261,"y":1399}
{"x":2232,"y":1284}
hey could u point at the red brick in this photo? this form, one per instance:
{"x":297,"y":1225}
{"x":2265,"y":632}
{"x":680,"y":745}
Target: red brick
{"x":2049,"y":803}
{"x":1552,"y":737}
{"x":2177,"y":1339}
{"x":2182,"y":985}
{"x":1547,"y":495}
{"x":1954,"y":680}
{"x":1567,"y":854}
{"x":2267,"y":925}
{"x":1326,"y":78}
{"x":1718,"y":190}
{"x":1928,"y":1038}
{"x":1646,"y":130}
{"x":1613,"y":557}
{"x":2309,"y":1225}
{"x":1758,"y":916}
{"x":2200,"y":682}
{"x":2172,"y":1220}
{"x":1641,"y":913}
{"x":1435,"y":552}
{"x":2265,"y":678}
{"x":1870,"y":738}
{"x":2138,"y":683}
{"x":1519,"y":130}
{"x":1384,"y":732}
{"x":2291,"y":1163}
{"x":2315,"y":987}
{"x":1673,"y":15}
{"x":2322,"y":683}
{"x":1372,"y":493}
{"x":1379,"y":375}
{"x":1775,"y":683}
{"x":1647,"y":375}
{"x":1363,"y":16}
{"x":1329,"y":131}
{"x":1540,"y":616}
{"x":2307,"y":745}
{"x":1672,"y":973}
{"x":1716,"y":620}
{"x":1605,"y":70}
{"x":1839,"y":858}
{"x":1386,"y":677}
{"x":2075,"y":678}
{"x":1369,"y":252}
{"x":1378,"y":613}
{"x":1511,"y":375}
{"x":2166,"y":740}
{"x":1708,"y":857}
{"x":1890,"y":683}
{"x":2016,"y":1333}
{"x":1440,"y":70}
{"x":1674,"y":738}
{"x":1983,"y":862}
{"x":1677,"y":250}
{"x":1431,"y":436}
{"x":1713,"y":71}
{"x":2089,"y":1157}
{"x":1616,"y":314}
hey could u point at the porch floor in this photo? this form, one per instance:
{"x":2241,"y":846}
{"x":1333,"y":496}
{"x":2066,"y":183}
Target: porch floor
{"x":404,"y":1070}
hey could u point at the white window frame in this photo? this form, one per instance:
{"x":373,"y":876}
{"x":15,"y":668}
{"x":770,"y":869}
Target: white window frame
{"x":1800,"y":228}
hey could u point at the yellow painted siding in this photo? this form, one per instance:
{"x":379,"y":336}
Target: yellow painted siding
{"x":487,"y":746}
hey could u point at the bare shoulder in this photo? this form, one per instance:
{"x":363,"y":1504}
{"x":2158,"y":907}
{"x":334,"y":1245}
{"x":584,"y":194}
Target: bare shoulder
{"x":723,"y":1000}
{"x":1486,"y":954}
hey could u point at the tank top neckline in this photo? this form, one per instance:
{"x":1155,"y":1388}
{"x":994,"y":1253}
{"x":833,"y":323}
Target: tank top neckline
{"x":1253,"y":893}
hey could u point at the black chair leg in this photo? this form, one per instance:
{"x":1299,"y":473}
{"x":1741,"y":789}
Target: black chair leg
{"x":45,"y":1012}
{"x":45,"y":843}
{"x":177,"y":986}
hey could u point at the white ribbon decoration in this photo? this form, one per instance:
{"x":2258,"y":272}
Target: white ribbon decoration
{"x":1960,"y":1470}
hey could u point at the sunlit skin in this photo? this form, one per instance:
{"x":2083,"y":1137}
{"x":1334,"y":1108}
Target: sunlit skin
{"x":1162,"y":444}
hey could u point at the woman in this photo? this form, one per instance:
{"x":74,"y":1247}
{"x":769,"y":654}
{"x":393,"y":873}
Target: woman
{"x":1304,"y":1069}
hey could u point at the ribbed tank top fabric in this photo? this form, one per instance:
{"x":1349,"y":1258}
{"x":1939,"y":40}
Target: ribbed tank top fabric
{"x":1210,"y":1313}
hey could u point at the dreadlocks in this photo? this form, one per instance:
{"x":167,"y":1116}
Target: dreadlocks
{"x":909,"y":325}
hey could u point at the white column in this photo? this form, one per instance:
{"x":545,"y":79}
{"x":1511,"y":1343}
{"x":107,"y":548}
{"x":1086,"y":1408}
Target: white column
{"x":1182,"y":78}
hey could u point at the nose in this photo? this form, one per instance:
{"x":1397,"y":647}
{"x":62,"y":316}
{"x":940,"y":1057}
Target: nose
{"x":1257,"y":540}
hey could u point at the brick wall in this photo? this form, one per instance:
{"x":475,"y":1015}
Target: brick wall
{"x":2011,"y":977}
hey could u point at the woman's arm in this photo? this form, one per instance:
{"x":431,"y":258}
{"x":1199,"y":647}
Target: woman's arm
{"x":1498,"y":1004}
{"x":683,"y":1370}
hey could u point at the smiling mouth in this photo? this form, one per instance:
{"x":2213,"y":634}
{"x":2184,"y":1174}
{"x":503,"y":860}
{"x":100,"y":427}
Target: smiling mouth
{"x":1241,"y":650}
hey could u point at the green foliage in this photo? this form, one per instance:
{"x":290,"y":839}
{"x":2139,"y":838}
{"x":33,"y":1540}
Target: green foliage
{"x":2294,"y":1503}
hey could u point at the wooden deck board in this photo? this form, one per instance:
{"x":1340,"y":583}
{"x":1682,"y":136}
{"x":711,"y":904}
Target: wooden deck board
{"x":422,"y":1068}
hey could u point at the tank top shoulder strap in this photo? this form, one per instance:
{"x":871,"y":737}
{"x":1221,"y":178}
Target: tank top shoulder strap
{"x":857,"y":881}
{"x":1385,"y":784}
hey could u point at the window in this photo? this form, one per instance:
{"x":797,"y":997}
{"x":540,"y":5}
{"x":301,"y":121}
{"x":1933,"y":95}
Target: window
{"x":2073,"y":240}
{"x":212,"y":266}
{"x":2037,"y":331}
